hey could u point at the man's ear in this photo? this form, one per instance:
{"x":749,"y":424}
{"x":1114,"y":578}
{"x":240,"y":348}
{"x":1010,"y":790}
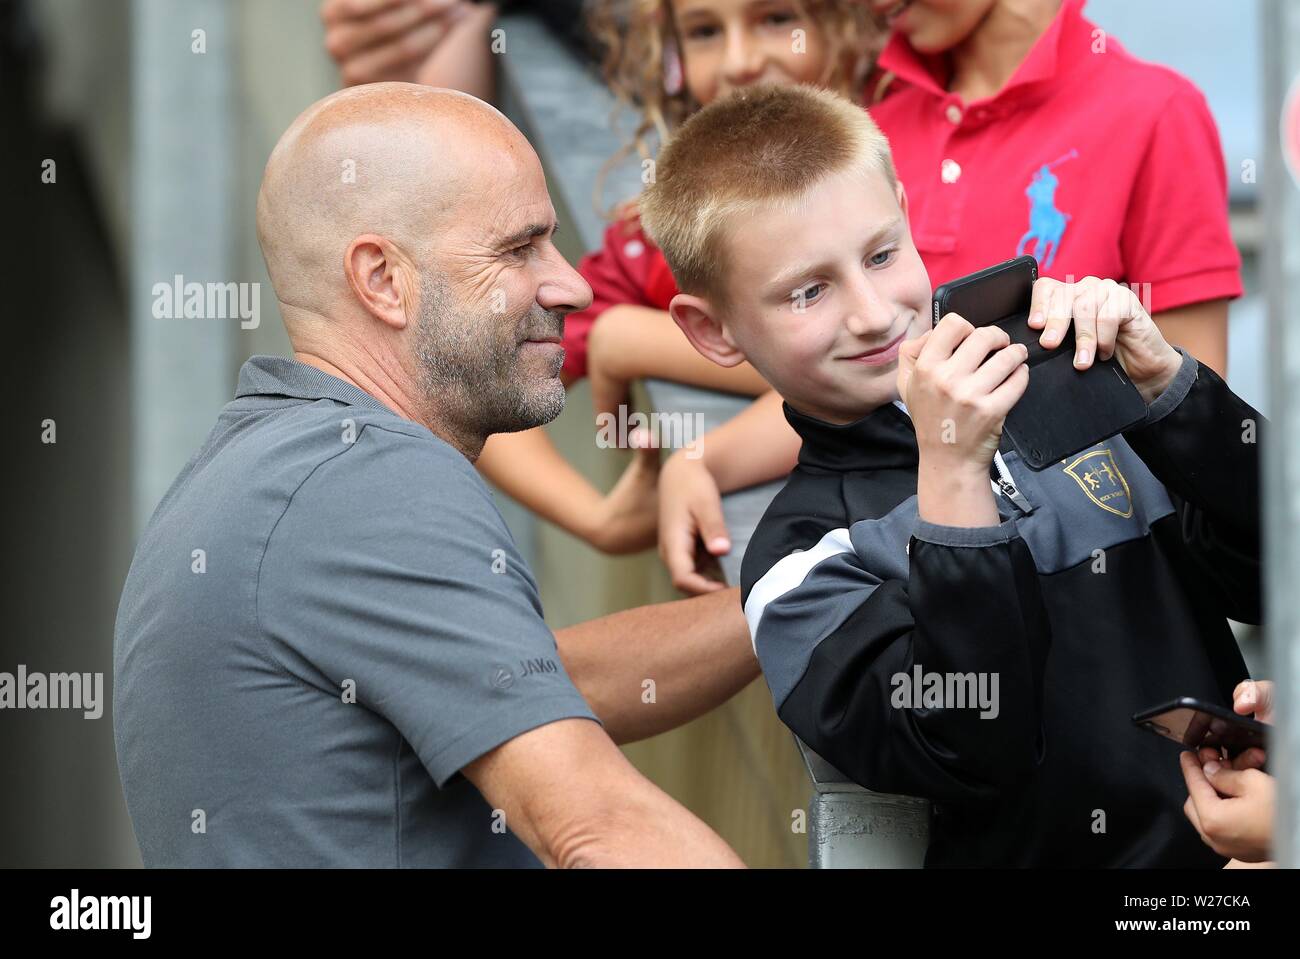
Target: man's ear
{"x":383,"y":281}
{"x":698,"y":320}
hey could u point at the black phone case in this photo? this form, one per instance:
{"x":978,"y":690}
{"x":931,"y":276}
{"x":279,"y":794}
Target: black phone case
{"x":1252,"y":731}
{"x":1063,"y":410}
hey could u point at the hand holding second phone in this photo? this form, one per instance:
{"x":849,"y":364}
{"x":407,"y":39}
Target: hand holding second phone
{"x":958,"y":397}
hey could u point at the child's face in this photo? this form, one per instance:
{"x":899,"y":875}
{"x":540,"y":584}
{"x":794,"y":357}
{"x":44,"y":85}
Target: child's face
{"x":933,"y":26}
{"x":728,"y":44}
{"x":821,"y":301}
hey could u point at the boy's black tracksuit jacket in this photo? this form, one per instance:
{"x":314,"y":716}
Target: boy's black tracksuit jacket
{"x":1102,"y":593}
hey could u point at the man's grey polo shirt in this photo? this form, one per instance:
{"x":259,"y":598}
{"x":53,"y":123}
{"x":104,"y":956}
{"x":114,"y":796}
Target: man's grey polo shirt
{"x":326,"y":618}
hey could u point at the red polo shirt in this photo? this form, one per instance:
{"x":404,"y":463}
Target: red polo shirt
{"x":1095,"y":162}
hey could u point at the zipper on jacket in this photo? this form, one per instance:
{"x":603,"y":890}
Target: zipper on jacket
{"x":1003,"y":483}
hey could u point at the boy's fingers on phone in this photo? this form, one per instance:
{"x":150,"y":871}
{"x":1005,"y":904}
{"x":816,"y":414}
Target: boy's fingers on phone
{"x":1087,"y":336}
{"x":1012,"y":388}
{"x":1110,"y":317}
{"x":1057,"y":313}
{"x":911,"y":349}
{"x":1041,"y":296}
{"x":907,"y":354}
{"x":999,"y":366}
{"x":946,"y":336}
{"x":977,"y":346}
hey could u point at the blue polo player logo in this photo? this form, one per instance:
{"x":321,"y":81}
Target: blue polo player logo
{"x":1046,"y":223}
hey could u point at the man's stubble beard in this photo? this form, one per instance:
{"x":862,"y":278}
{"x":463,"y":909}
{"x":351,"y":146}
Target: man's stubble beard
{"x":471,"y":369}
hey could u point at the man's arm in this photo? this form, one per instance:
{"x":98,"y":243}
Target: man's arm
{"x":573,"y":798}
{"x":696,"y":652}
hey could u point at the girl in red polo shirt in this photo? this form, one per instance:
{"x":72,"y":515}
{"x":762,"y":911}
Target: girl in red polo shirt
{"x":1017,"y":126}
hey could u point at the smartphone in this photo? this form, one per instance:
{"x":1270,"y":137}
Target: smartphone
{"x":1063,"y":410}
{"x":1195,"y":723}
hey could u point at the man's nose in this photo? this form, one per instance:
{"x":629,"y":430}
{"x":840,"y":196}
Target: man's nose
{"x":563,"y":289}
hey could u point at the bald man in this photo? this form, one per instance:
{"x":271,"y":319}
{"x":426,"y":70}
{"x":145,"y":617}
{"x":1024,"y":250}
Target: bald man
{"x":329,"y":651}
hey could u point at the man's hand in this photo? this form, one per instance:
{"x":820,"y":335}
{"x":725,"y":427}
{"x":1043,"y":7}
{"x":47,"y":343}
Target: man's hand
{"x":690,"y":510}
{"x":1232,"y":809}
{"x":374,"y":40}
{"x":958,"y":397}
{"x":1108,"y":320}
{"x":628,"y":517}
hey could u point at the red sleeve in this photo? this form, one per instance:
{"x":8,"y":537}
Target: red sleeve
{"x":618,"y":273}
{"x":1176,"y":235}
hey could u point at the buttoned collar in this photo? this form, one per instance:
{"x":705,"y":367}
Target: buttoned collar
{"x":1048,"y":56}
{"x":281,"y":376}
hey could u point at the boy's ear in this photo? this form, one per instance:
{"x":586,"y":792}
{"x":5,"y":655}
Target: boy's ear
{"x":902,"y":197}
{"x":698,"y":320}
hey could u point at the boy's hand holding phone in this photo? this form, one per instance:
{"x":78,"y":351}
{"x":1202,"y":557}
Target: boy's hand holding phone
{"x":958,"y":401}
{"x":1108,"y":319}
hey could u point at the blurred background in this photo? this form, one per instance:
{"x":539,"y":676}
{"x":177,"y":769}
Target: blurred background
{"x":157,"y":151}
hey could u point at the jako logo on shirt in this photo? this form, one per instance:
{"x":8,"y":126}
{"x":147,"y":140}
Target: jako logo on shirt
{"x":504,"y":676}
{"x":527,"y":667}
{"x":1046,"y":223}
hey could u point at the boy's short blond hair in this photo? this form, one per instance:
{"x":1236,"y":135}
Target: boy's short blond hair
{"x":755,"y":149}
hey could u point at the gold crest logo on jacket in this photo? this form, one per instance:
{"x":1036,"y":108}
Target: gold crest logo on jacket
{"x":1098,"y":475}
